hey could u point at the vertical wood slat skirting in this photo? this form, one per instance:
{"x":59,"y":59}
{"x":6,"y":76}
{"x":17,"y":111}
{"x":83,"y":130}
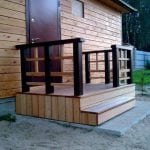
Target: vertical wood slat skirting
{"x":52,"y":107}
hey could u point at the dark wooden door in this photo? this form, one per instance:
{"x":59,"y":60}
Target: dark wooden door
{"x":43,"y":25}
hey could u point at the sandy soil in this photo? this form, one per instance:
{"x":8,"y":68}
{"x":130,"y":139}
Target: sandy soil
{"x":29,"y":133}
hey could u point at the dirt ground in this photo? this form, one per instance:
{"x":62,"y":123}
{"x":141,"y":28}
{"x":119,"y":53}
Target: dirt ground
{"x":29,"y":133}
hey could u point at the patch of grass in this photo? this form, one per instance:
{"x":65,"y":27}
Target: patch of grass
{"x":141,"y":77}
{"x":8,"y":117}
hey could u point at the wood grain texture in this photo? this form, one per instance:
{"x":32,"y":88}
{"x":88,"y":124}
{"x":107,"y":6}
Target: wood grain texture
{"x":12,"y":32}
{"x":48,"y":107}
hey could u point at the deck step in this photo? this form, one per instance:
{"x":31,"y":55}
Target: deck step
{"x":104,"y":106}
{"x":109,"y":109}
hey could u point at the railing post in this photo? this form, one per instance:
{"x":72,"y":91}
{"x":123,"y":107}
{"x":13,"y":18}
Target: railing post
{"x":48,"y":80}
{"x":87,"y":68}
{"x":77,"y":63}
{"x":115,"y":61}
{"x":25,"y":87}
{"x":107,"y":67}
{"x":129,"y":65}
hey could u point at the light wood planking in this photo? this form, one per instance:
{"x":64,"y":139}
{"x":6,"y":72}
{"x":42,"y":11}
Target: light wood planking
{"x":113,"y":112}
{"x":69,"y":109}
{"x":29,"y":105}
{"x":41,"y":101}
{"x":55,"y":107}
{"x":76,"y":110}
{"x":62,"y":108}
{"x":48,"y":107}
{"x":101,"y":26}
{"x":35,"y":106}
{"x":12,"y":32}
{"x":18,"y":103}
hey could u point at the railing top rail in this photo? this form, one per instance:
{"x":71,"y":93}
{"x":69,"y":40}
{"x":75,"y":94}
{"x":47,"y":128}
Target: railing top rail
{"x":123,"y":47}
{"x":98,"y":51}
{"x":50,"y":43}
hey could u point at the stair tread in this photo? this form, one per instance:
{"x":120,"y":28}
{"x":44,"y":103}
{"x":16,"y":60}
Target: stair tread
{"x":99,"y":108}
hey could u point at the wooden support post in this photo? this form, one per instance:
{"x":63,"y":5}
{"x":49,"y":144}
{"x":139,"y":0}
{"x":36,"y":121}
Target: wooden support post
{"x":87,"y":68}
{"x":129,"y":65}
{"x":48,"y":79}
{"x":107,"y":67}
{"x":115,"y":61}
{"x":78,"y":77}
{"x":25,"y":87}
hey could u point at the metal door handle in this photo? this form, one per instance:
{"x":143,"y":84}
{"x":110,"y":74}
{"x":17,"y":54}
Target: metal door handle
{"x":35,"y":40}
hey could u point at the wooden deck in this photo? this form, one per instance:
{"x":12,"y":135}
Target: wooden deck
{"x":98,"y":104}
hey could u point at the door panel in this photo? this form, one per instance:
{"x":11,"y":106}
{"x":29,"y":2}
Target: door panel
{"x":43,"y":25}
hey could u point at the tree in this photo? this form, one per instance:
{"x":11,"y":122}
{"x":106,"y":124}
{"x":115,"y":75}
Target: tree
{"x":136,"y":26}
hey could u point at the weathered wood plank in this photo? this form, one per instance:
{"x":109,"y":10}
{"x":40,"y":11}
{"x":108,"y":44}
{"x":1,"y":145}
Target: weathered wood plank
{"x":48,"y":107}
{"x":54,"y":108}
{"x":35,"y":105}
{"x":69,"y":109}
{"x":41,"y":106}
{"x":61,"y":108}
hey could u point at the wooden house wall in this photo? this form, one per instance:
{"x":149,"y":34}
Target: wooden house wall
{"x":12,"y":32}
{"x":101,"y":27}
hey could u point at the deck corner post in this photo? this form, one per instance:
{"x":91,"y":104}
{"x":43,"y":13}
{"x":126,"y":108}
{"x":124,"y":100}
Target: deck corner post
{"x":25,"y":87}
{"x":48,"y":88}
{"x":107,"y":67}
{"x":115,"y":61}
{"x":129,"y":65}
{"x":78,"y":73}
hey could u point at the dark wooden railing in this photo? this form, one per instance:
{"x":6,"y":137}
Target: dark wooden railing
{"x":117,"y":64}
{"x":122,"y":64}
{"x":47,"y":74}
{"x":106,"y":61}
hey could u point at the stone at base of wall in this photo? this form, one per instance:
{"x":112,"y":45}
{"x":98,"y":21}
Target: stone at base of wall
{"x":7,"y":105}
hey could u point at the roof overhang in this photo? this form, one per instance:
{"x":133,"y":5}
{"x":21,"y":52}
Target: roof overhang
{"x":119,"y":5}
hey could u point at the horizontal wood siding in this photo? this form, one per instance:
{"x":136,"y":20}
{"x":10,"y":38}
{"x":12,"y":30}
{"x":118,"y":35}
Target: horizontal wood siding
{"x":101,"y":27}
{"x":12,"y":32}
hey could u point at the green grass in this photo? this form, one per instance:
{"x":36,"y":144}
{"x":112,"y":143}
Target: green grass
{"x":141,"y":77}
{"x":8,"y":117}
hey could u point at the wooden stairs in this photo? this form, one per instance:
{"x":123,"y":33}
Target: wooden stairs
{"x":90,"y":109}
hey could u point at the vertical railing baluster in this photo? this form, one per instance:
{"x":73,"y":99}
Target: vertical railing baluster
{"x":115,"y":55}
{"x":25,"y":87}
{"x":107,"y":67}
{"x":48,"y":79}
{"x":87,"y":68}
{"x":129,"y":65}
{"x":77,"y":63}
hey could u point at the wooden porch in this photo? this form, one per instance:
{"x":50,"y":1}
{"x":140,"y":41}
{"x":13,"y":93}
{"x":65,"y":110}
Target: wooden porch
{"x":80,"y":101}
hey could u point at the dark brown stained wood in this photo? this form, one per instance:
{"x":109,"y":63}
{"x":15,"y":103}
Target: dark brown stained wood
{"x":55,"y":108}
{"x":69,"y":109}
{"x":43,"y":25}
{"x":62,"y":108}
{"x":41,"y":106}
{"x":115,"y":57}
{"x":35,"y":105}
{"x":48,"y":107}
{"x":29,"y":105}
{"x":77,"y":66}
